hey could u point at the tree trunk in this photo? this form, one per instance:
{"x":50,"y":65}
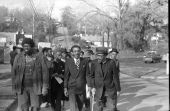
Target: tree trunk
{"x":108,"y":37}
{"x":114,"y":40}
{"x":103,"y":39}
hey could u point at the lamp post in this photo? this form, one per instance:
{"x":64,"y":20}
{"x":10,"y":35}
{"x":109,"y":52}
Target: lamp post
{"x":33,"y":26}
{"x":167,"y":64}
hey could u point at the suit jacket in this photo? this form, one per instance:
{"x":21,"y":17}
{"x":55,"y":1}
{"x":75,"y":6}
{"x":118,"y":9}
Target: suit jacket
{"x":40,"y":74}
{"x":75,"y":80}
{"x":105,"y":77}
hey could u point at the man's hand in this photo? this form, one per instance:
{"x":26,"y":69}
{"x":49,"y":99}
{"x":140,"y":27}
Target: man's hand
{"x":89,"y":89}
{"x":44,"y":91}
{"x":55,"y":74}
{"x":66,"y":92}
{"x":93,"y":91}
{"x":118,"y":93}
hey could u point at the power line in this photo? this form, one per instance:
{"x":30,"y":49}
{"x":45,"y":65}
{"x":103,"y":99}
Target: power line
{"x":33,"y":8}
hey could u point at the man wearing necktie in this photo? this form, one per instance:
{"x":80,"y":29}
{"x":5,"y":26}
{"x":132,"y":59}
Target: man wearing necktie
{"x":75,"y":79}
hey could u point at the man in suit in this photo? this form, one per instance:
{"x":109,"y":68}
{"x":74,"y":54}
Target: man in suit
{"x":75,"y":78}
{"x":104,"y":80}
{"x":113,"y":55}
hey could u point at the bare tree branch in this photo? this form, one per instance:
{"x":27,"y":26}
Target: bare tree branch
{"x":86,"y":14}
{"x":99,"y":11}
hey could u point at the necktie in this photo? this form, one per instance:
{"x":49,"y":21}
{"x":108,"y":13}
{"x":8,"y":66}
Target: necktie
{"x":77,"y":63}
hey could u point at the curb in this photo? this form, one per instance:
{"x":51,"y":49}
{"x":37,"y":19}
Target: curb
{"x":12,"y":106}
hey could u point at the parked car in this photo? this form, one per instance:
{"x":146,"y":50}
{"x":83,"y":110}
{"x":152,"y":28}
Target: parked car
{"x":165,"y":57}
{"x":152,"y":57}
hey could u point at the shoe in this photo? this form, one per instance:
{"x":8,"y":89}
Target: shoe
{"x":115,"y":109}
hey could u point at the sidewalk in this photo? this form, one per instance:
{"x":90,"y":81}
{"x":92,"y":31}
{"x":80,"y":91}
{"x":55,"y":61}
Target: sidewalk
{"x":6,"y":95}
{"x":5,"y":71}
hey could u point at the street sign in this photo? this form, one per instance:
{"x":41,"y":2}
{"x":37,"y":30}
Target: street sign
{"x":2,"y":41}
{"x":28,"y":36}
{"x":44,"y":44}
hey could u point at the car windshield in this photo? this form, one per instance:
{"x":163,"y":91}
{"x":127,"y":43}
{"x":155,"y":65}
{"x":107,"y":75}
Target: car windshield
{"x":151,"y":53}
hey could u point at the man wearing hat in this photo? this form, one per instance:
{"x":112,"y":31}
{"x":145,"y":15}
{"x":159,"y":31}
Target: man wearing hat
{"x":113,"y":55}
{"x":104,"y":80}
{"x":13,"y":53}
{"x":89,"y":55}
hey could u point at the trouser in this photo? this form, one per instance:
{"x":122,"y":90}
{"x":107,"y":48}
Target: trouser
{"x":107,"y":102}
{"x":110,"y":103}
{"x":76,"y":101}
{"x":46,"y":98}
{"x":28,"y":99}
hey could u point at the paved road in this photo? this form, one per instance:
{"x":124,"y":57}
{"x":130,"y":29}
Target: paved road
{"x":6,"y":95}
{"x":138,"y":62}
{"x":141,"y":95}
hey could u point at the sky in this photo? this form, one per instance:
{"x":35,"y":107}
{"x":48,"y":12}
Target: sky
{"x":44,"y":5}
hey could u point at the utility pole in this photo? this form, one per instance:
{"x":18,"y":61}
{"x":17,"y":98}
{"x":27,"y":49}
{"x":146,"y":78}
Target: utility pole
{"x":102,"y":38}
{"x":33,"y":30}
{"x":85,"y":31}
{"x":167,"y":64}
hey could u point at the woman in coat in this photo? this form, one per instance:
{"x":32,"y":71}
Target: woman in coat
{"x":29,"y":77}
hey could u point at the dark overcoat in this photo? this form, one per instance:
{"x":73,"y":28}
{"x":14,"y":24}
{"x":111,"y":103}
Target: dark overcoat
{"x":108,"y":78}
{"x":40,"y":74}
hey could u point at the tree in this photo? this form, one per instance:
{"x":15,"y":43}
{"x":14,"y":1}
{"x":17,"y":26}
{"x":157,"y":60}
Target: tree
{"x":119,"y":7}
{"x":143,"y":19}
{"x":3,"y":13}
{"x":69,"y":20}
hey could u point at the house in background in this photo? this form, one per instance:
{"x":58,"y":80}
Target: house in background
{"x":97,"y":40}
